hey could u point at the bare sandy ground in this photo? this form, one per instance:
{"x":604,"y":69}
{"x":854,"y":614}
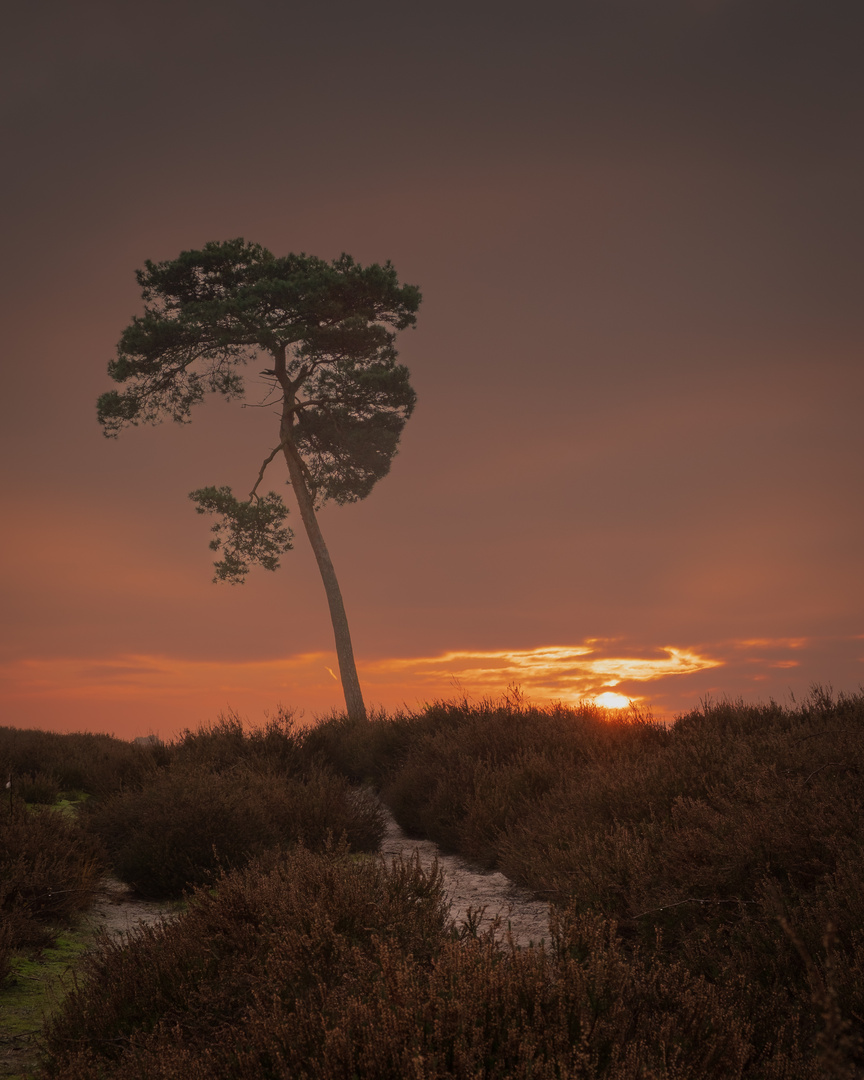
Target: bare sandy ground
{"x":468,"y":887}
{"x":117,"y":910}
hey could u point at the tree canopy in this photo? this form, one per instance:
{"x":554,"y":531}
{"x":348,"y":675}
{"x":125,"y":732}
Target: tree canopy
{"x":209,"y":312}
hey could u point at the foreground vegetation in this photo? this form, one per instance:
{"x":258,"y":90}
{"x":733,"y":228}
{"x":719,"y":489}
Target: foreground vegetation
{"x":708,"y":918}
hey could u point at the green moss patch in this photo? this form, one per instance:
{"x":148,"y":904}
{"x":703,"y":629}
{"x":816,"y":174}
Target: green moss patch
{"x":35,"y":985}
{"x":70,"y":802}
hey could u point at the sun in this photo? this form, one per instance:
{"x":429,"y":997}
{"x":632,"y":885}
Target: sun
{"x":612,"y":701}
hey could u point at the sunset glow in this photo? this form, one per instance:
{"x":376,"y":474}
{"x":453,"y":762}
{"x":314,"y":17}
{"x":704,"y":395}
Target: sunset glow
{"x":614,"y":701}
{"x":568,"y":673}
{"x":133,"y":694}
{"x":634,"y":467}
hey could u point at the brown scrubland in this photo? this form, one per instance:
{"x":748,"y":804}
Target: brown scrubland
{"x":704,"y":876}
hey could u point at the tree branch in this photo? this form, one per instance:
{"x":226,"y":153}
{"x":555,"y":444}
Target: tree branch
{"x":264,"y":465}
{"x":266,"y":401}
{"x":829,"y":765}
{"x":693,"y":900}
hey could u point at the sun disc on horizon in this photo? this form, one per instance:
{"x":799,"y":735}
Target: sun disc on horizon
{"x":612,"y":701}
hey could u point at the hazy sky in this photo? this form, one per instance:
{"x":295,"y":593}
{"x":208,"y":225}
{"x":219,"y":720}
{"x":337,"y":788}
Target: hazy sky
{"x":636,"y":462}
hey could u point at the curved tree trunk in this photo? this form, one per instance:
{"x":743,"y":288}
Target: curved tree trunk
{"x":344,"y":650}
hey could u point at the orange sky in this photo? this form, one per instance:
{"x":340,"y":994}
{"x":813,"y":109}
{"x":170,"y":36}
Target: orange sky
{"x":134,"y":694}
{"x":636,"y":461}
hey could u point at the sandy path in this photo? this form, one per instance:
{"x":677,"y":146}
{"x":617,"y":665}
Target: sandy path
{"x":116,"y":910}
{"x":467,"y":887}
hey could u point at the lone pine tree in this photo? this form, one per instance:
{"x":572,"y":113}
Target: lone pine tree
{"x":342,"y":398}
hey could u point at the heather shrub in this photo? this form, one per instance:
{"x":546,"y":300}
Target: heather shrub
{"x":225,"y":743}
{"x":708,"y":915}
{"x":710,"y":821}
{"x":95,"y":764}
{"x":188,"y":822}
{"x":500,"y":795}
{"x":838,"y":902}
{"x":270,"y":935}
{"x":40,"y":788}
{"x":745,"y":869}
{"x":468,"y":773}
{"x":726,"y":843}
{"x":366,"y":751}
{"x":429,"y":794}
{"x":480,"y":1010}
{"x":324,"y":967}
{"x":49,"y":871}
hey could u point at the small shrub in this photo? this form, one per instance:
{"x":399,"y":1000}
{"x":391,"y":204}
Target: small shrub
{"x":40,"y":788}
{"x":365,"y":751}
{"x":225,"y":744}
{"x":702,"y":836}
{"x":708,"y":918}
{"x":274,"y":933}
{"x":468,"y":773}
{"x":95,"y":764}
{"x":189,"y":822}
{"x":49,"y":871}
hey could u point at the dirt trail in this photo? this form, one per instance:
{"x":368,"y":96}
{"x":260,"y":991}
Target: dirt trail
{"x":117,"y":910}
{"x":467,"y":887}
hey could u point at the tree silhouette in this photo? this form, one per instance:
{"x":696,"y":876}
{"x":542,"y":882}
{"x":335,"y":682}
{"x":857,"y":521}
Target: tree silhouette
{"x":343,"y":400}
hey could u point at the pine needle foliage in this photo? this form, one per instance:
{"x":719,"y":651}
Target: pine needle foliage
{"x":250,"y":531}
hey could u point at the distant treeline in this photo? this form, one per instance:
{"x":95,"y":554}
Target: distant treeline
{"x":705,"y":877}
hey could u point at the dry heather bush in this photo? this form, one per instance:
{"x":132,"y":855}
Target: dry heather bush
{"x":500,"y":795}
{"x":224,"y":744}
{"x":709,"y":833}
{"x":190,"y":821}
{"x":766,"y":823}
{"x":96,"y":764}
{"x":278,"y":930}
{"x":39,"y":788}
{"x":365,"y":751}
{"x":710,"y":922}
{"x":323,"y":967}
{"x":471,"y":772}
{"x":49,"y":871}
{"x":838,"y":901}
{"x":431,"y":799}
{"x":710,"y":818}
{"x":478,"y":1010}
